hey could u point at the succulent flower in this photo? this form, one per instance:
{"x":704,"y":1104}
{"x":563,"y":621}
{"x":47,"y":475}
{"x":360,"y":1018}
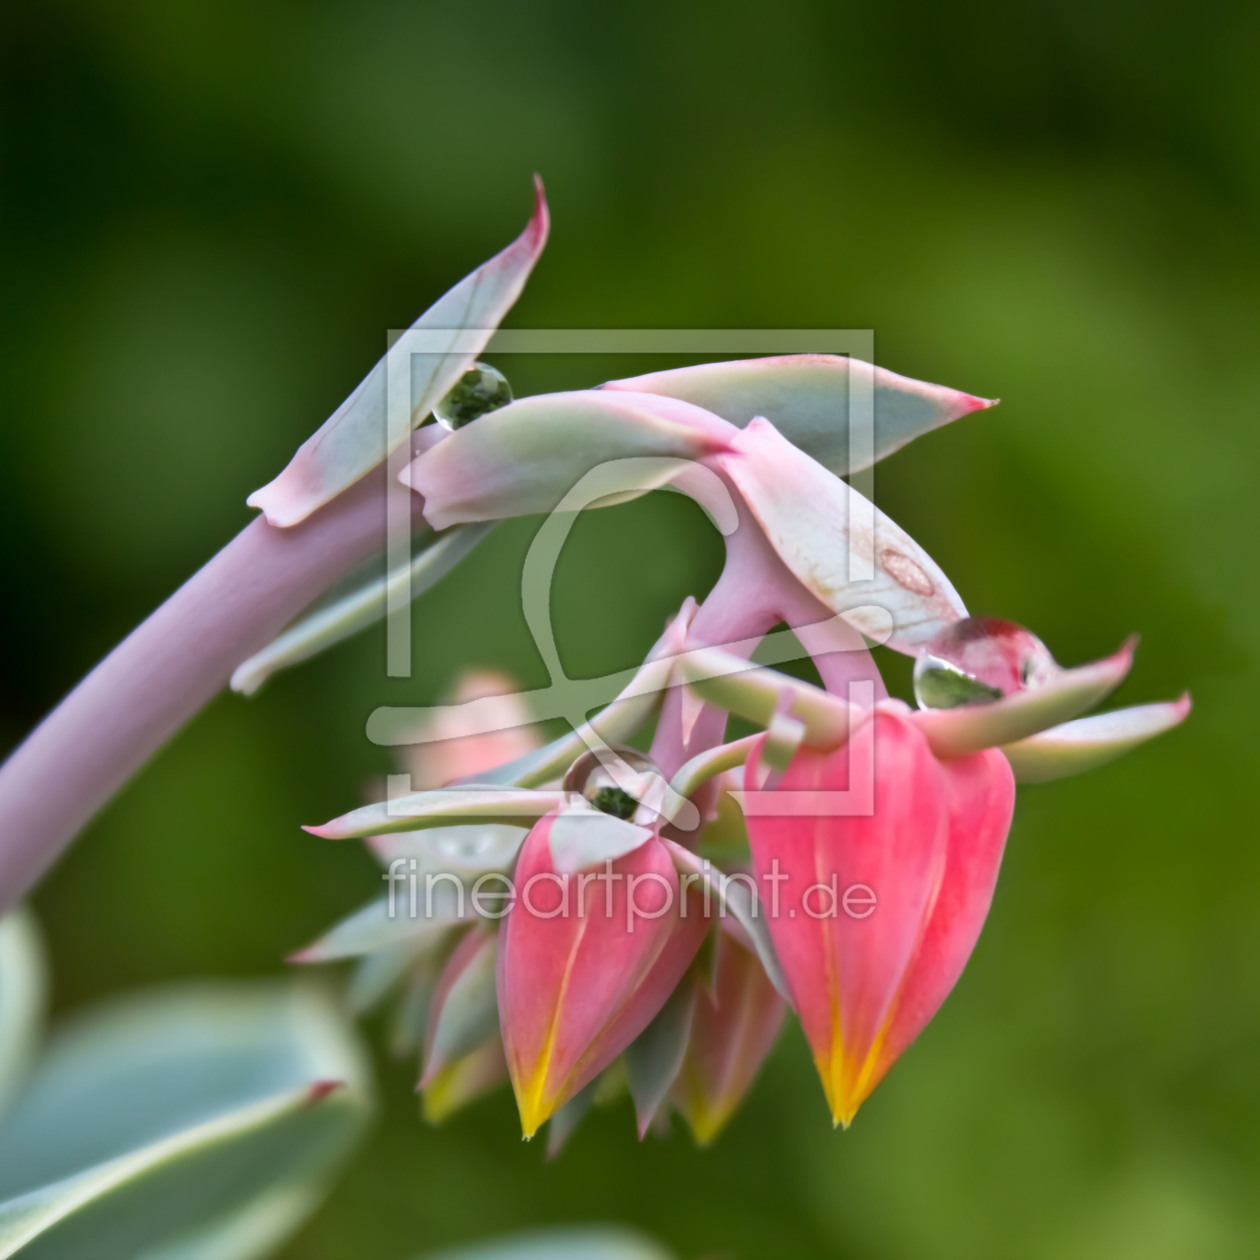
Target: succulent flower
{"x":671,"y":980}
{"x":660,"y":913}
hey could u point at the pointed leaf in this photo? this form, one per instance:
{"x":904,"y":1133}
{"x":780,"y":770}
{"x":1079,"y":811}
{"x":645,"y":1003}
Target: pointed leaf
{"x":198,"y":1122}
{"x":1091,"y":741}
{"x":441,"y":807}
{"x":465,"y":1009}
{"x":839,"y":545}
{"x":364,"y":429}
{"x":526,"y":457}
{"x":970,"y":728}
{"x":358,"y":610}
{"x":389,"y":921}
{"x":807,"y":398}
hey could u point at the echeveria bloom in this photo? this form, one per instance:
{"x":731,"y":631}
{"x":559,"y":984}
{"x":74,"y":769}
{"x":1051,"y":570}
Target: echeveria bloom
{"x":878,"y":911}
{"x":585,"y":964}
{"x":856,"y":881}
{"x":873,"y":832}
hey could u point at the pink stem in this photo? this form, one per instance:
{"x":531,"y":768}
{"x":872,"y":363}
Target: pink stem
{"x":169,"y":667}
{"x":754,"y":593}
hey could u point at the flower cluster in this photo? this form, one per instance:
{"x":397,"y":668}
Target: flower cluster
{"x":582,"y":918}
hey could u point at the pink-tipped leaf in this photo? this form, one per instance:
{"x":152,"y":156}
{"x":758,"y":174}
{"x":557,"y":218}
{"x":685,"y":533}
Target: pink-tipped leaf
{"x":1069,"y":692}
{"x":812,"y":400}
{"x":365,"y":428}
{"x":1091,"y":741}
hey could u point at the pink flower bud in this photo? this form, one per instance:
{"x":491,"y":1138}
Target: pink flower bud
{"x":586,"y":960}
{"x":875,"y":911}
{"x":733,"y":1028}
{"x":452,"y":747}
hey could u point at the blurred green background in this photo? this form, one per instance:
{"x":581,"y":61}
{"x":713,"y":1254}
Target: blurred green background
{"x":210,"y":214}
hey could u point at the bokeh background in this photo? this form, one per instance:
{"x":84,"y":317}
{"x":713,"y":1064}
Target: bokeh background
{"x":211,"y":213}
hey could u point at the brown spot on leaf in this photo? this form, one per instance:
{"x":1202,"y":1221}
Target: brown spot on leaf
{"x":906,"y":572}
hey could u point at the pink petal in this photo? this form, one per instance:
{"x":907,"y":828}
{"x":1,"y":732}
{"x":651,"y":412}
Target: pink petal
{"x":846,"y":966}
{"x":576,"y":988}
{"x":981,"y":803}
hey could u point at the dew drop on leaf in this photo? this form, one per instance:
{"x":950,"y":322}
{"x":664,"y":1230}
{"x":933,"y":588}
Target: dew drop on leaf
{"x":978,"y":660}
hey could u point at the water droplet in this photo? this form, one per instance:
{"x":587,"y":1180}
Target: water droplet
{"x":482,"y":388}
{"x":617,"y":784}
{"x":977,"y":660}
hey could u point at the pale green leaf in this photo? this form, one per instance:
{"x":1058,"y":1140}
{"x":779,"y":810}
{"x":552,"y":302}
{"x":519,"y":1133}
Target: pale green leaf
{"x":193,"y":1123}
{"x":365,"y":428}
{"x":1091,"y":741}
{"x":810,"y":399}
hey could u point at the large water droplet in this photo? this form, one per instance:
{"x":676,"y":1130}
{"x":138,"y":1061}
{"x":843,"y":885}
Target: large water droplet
{"x":615,"y":785}
{"x":482,"y":388}
{"x":977,"y":660}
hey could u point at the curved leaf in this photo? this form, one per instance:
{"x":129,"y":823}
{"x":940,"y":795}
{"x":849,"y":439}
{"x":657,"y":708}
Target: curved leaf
{"x":807,"y":398}
{"x":389,"y":921}
{"x":440,"y":807}
{"x":839,"y":545}
{"x":358,"y":610}
{"x":527,"y":456}
{"x":655,"y":1057}
{"x":364,"y":429}
{"x":197,"y":1123}
{"x":972,"y":727}
{"x":1091,"y":741}
{"x":464,"y":1013}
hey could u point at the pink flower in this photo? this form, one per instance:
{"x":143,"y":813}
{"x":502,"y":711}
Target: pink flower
{"x":586,"y":960}
{"x":876,"y":913}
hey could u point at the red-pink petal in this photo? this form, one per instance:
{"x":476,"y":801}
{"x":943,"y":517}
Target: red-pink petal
{"x":845,"y":966}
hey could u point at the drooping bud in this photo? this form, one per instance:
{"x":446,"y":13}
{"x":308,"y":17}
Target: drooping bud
{"x":451,"y":747}
{"x":875,"y":912}
{"x":586,"y":961}
{"x":464,"y":1080}
{"x":734,"y":1027}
